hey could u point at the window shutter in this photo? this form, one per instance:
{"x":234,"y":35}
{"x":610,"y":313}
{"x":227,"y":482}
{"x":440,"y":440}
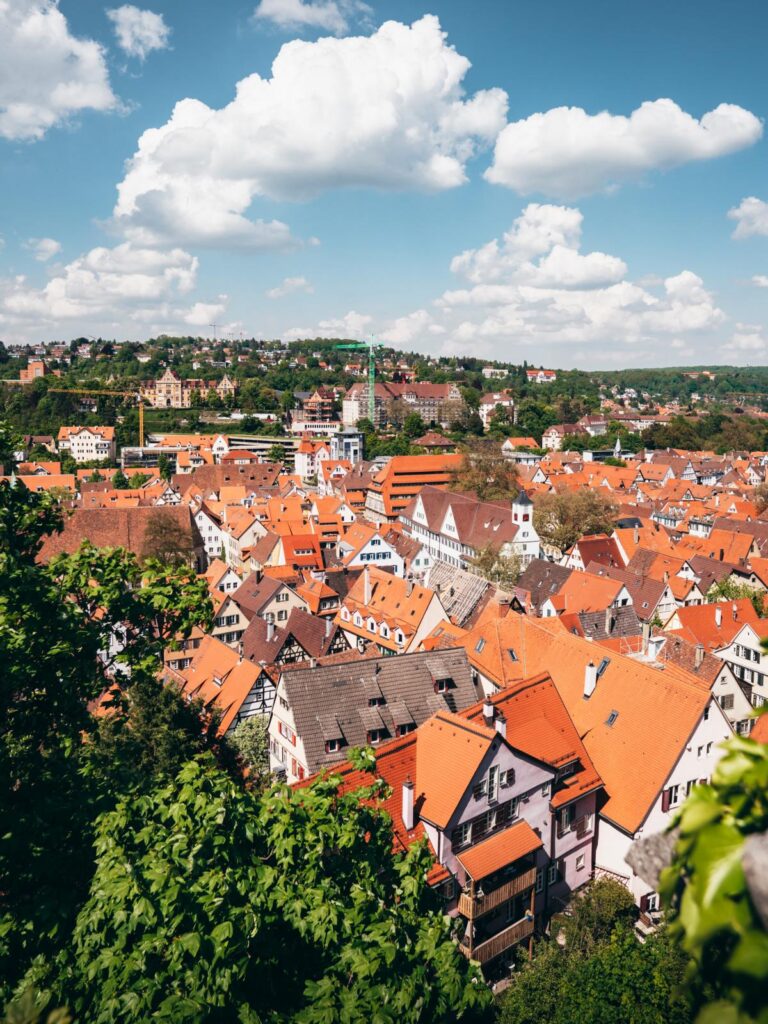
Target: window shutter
{"x":666,"y":799}
{"x":644,"y":904}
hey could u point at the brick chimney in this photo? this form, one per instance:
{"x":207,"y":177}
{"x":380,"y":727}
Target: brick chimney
{"x":699,"y":656}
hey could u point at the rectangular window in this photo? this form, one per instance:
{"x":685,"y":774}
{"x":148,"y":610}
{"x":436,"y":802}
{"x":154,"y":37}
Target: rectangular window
{"x":726,"y":702}
{"x":709,"y":747}
{"x":580,"y":862}
{"x":461,"y":835}
{"x":552,"y":873}
{"x":493,"y":783}
{"x":546,"y":789}
{"x":564,"y":818}
{"x":507,"y":778}
{"x":539,"y":879}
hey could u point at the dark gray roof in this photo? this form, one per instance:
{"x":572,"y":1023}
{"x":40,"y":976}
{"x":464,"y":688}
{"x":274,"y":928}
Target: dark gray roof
{"x":338,"y":697}
{"x":542,"y":579}
{"x":611,"y":622}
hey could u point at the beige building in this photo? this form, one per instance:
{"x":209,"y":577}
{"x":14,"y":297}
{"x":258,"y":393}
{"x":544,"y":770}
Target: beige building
{"x":171,"y":392}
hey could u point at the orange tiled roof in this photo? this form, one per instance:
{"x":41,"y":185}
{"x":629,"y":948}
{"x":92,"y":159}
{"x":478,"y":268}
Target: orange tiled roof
{"x":500,"y":850}
{"x":447,"y":739}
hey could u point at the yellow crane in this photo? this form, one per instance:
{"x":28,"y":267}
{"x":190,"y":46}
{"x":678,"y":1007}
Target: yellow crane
{"x":123,"y":394}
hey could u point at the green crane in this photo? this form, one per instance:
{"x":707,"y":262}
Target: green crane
{"x":369,"y":347}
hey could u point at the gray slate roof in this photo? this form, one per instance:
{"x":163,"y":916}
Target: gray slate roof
{"x":341,"y":699}
{"x":459,"y":591}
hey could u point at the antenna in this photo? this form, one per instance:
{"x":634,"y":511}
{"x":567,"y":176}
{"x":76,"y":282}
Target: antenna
{"x":214,"y":326}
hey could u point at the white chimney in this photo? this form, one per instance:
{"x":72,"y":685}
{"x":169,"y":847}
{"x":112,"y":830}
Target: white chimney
{"x":735,"y":610}
{"x":501,"y":726}
{"x":328,"y":626}
{"x":488,"y":712}
{"x":407,"y":807}
{"x":699,"y":656}
{"x":366,"y":586}
{"x":270,"y":631}
{"x":590,"y":680}
{"x":718,"y":616}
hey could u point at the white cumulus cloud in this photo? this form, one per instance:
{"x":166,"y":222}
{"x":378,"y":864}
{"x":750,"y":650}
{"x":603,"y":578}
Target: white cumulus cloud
{"x":331,"y":15}
{"x":108,"y":289}
{"x":384,"y":111}
{"x":534,"y":294}
{"x":288,"y":286}
{"x":566,"y":152}
{"x":47,"y":75}
{"x":351,"y":325}
{"x":760,"y":280}
{"x":138,"y":31}
{"x":747,"y":342}
{"x":751,"y":216}
{"x":43,"y":249}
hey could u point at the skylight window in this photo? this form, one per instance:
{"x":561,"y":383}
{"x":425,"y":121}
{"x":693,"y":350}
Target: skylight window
{"x":480,"y":645}
{"x":512,"y":653}
{"x":605,"y":662}
{"x":611,"y":719}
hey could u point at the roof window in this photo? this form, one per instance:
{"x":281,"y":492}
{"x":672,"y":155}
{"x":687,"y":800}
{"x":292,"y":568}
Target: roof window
{"x":611,"y":719}
{"x":512,"y":654}
{"x":604,"y":663}
{"x":480,"y":645}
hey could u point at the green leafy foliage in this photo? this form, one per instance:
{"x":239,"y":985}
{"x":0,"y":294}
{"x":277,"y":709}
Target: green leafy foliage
{"x":705,"y":892}
{"x":618,"y":981}
{"x":211,"y":903}
{"x":58,"y":655}
{"x":251,"y":740}
{"x":561,"y":519}
{"x":485,"y":471}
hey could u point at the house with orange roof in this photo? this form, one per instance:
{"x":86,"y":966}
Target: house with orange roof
{"x":309,"y":455}
{"x":388,"y":612}
{"x":505,"y":794}
{"x":596,"y":547}
{"x":714,"y":625}
{"x":219,"y":576}
{"x":56,"y":482}
{"x":218,"y":677}
{"x":240,"y":530}
{"x":87,"y":444}
{"x":586,"y":592}
{"x":330,"y":474}
{"x":393,"y":488}
{"x":647,"y":760}
{"x":363,"y":544}
{"x":321,"y":599}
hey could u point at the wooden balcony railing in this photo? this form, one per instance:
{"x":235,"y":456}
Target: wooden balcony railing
{"x":497,"y":944}
{"x":473,"y":908}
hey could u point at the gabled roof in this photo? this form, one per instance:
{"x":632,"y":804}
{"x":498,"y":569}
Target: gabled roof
{"x":639,"y":735}
{"x":699,"y":622}
{"x":345,"y":691}
{"x":449,"y":751}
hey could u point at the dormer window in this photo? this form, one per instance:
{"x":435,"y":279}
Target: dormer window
{"x":376,"y":735}
{"x":332,"y":746}
{"x":376,"y":702}
{"x":442,"y":685}
{"x":567,"y":770}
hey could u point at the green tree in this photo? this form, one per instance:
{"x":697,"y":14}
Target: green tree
{"x":561,"y":519}
{"x":120,"y":481}
{"x":211,"y":903}
{"x":503,"y":570}
{"x":413,"y":425}
{"x":485,"y":471}
{"x":166,"y":540}
{"x":164,"y":467}
{"x":276,"y":453}
{"x":10,"y":443}
{"x":712,"y":887}
{"x":593,"y":913}
{"x":251,"y":740}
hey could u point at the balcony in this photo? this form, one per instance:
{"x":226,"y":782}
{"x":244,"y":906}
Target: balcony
{"x":499,"y":943}
{"x":474,"y":907}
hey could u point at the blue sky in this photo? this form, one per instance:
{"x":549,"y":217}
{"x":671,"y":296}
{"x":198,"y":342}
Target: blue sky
{"x":339,"y":192}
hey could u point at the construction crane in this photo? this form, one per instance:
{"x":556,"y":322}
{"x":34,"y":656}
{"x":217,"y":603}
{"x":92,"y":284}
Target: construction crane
{"x":122,"y":394}
{"x":369,"y":347}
